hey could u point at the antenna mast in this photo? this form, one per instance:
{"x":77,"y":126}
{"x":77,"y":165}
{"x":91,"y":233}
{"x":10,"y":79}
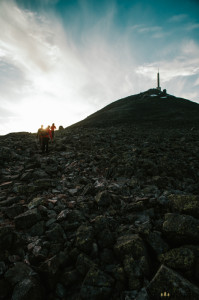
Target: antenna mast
{"x":158,"y":81}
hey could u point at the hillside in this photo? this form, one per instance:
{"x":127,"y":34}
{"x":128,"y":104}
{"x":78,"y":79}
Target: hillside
{"x":150,"y":108}
{"x":110,"y":212}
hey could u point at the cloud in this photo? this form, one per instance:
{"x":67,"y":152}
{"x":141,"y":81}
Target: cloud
{"x":178,"y":18}
{"x":55,"y":70}
{"x":185,"y":63}
{"x":192,"y":26}
{"x":55,"y":74}
{"x":180,"y":73}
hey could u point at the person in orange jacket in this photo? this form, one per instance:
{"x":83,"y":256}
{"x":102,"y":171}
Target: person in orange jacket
{"x":53,"y":127}
{"x":49,"y":132}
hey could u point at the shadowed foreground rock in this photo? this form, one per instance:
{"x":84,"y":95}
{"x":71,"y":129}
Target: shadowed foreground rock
{"x":173,"y":283}
{"x":107,"y":214}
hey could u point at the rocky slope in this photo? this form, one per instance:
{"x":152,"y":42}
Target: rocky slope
{"x":107,"y":214}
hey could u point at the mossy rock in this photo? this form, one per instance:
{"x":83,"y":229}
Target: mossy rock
{"x":178,"y":258}
{"x":187,"y":204}
{"x":97,"y":285}
{"x":84,"y":238}
{"x":135,"y":270}
{"x":35,"y":202}
{"x":84,"y":263}
{"x":181,"y":228}
{"x":131,"y":245}
{"x":27,"y":189}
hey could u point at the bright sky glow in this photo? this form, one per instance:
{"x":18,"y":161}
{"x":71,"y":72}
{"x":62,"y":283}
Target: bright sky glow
{"x":62,"y":60}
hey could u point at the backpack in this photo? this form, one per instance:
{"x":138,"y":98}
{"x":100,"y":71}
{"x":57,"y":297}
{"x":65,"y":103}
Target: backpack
{"x":43,"y":133}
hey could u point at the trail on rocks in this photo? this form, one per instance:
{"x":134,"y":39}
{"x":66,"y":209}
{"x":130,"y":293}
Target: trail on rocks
{"x":107,"y":214}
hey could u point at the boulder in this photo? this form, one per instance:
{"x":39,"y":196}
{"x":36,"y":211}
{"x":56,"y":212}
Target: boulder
{"x":51,"y":268}
{"x":5,"y":289}
{"x":8,"y":239}
{"x":44,"y":183}
{"x":35,"y":202}
{"x":27,"y":219}
{"x":14,"y":210}
{"x":170,"y":282}
{"x":97,"y":285}
{"x":19,"y":272}
{"x":56,"y":233}
{"x":84,"y":263}
{"x":130,"y":244}
{"x":84,"y":238}
{"x":185,"y":204}
{"x":70,"y":277}
{"x":156,"y":242}
{"x":103,"y":199}
{"x":181,"y":229}
{"x":106,"y":239}
{"x":27,"y":189}
{"x":28,"y":289}
{"x":178,"y":258}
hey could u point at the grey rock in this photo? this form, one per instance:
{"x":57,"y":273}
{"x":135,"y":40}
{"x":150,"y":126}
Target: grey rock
{"x":56,"y":233}
{"x":35,"y":202}
{"x":103,"y":199}
{"x":27,"y":289}
{"x":96,"y":285}
{"x":27,"y":219}
{"x":19,"y":272}
{"x":142,"y":295}
{"x":9,"y":201}
{"x":181,"y":228}
{"x":130,"y":244}
{"x":8,"y":238}
{"x":61,"y":291}
{"x":186,"y":204}
{"x":69,"y":278}
{"x":178,"y":258}
{"x":2,"y":267}
{"x":84,"y":238}
{"x":106,"y":239}
{"x":5,"y":289}
{"x":14,"y":210}
{"x":156,"y":242}
{"x":44,"y":183}
{"x":38,"y":229}
{"x":84,"y":263}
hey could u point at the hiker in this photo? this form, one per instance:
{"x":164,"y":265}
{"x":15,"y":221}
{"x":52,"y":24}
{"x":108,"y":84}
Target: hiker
{"x":53,"y":127}
{"x":45,"y":136}
{"x":39,"y":134}
{"x":49,"y":132}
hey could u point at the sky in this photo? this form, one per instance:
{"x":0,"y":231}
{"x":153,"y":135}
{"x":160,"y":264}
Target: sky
{"x":62,"y":60}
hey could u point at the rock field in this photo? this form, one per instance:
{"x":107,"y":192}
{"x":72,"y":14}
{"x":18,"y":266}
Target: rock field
{"x":107,"y":214}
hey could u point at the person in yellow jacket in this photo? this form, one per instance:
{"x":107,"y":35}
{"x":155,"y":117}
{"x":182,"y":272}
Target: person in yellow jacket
{"x":39,"y":137}
{"x":45,"y":136}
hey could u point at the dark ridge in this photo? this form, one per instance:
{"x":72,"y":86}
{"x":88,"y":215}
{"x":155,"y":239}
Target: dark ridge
{"x":151,"y":108}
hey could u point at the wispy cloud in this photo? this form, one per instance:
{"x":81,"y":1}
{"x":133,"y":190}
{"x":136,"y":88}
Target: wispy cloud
{"x":178,"y":18}
{"x":53,"y":67}
{"x":47,"y":68}
{"x":178,"y":74}
{"x":155,"y":32}
{"x":192,"y":26}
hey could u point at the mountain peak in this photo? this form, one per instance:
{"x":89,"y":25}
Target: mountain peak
{"x":149,"y":108}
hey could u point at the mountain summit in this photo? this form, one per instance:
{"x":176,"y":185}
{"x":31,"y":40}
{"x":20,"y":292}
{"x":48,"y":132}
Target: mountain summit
{"x":151,"y":108}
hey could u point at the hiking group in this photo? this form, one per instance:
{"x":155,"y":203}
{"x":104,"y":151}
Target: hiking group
{"x":44,"y":135}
